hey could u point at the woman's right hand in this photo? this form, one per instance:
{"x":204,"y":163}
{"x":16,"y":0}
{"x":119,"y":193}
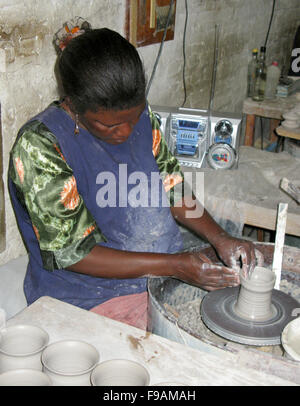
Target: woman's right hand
{"x":196,"y":269}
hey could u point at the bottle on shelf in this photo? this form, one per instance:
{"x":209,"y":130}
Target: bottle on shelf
{"x":273,"y":75}
{"x":251,"y":72}
{"x":260,"y":76}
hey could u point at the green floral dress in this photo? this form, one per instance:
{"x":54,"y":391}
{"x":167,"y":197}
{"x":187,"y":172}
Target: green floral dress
{"x":46,"y":186}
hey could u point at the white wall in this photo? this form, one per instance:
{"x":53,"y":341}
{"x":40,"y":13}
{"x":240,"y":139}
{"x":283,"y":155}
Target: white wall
{"x":27,"y":82}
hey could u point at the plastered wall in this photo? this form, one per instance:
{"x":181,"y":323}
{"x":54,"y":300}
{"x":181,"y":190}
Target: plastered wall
{"x":27,"y":57}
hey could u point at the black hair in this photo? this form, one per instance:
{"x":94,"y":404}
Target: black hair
{"x":101,"y":69}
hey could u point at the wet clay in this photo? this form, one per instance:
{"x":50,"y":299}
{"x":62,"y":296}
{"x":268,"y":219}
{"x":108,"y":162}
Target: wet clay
{"x":254,"y":299}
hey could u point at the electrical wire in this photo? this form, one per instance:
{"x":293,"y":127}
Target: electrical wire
{"x":265,"y":45}
{"x":183,"y":51}
{"x":270,"y":23}
{"x":160,"y":49}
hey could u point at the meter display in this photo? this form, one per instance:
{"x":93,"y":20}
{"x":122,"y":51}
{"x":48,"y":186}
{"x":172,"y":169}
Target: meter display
{"x":221,"y":156}
{"x":193,"y":125}
{"x":186,"y":142}
{"x":187,"y":134}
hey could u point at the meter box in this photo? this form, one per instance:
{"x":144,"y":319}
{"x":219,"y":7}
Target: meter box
{"x":224,"y":140}
{"x":186,"y":137}
{"x":198,"y":139}
{"x":186,"y":133}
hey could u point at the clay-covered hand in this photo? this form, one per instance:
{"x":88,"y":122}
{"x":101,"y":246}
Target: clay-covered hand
{"x":238,"y":254}
{"x":196,"y":269}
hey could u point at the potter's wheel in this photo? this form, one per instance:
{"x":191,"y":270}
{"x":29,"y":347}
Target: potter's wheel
{"x":217,"y":312}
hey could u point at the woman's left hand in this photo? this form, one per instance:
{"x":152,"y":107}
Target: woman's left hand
{"x":238,"y":254}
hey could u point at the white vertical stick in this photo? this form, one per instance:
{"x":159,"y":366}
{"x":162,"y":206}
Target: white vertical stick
{"x":2,"y":318}
{"x":279,"y":242}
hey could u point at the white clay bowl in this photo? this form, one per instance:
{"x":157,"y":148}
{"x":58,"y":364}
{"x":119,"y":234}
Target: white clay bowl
{"x":290,"y":124}
{"x":290,"y":115}
{"x":70,"y":362}
{"x":24,"y":377}
{"x":120,"y":372}
{"x":290,"y":339}
{"x":21,"y":347}
{"x":291,"y":119}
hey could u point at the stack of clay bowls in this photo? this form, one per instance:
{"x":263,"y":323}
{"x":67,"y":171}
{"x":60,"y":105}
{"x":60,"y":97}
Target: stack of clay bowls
{"x":27,"y":359}
{"x":292,"y":117}
{"x":21,"y":347}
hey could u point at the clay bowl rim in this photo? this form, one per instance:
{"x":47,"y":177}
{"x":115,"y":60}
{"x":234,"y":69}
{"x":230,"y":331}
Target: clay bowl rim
{"x":13,"y":372}
{"x":116,"y":360}
{"x":70,"y":342}
{"x":20,"y":327}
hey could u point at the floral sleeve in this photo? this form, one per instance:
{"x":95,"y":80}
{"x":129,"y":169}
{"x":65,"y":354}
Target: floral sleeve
{"x":168,"y":164}
{"x":64,"y":227}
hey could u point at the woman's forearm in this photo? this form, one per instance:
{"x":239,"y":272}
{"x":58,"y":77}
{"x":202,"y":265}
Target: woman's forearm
{"x":234,"y":252}
{"x":192,"y":268}
{"x":110,"y":263}
{"x":193,"y":215}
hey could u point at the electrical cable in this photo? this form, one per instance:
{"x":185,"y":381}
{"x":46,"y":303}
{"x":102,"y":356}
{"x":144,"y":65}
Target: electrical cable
{"x":160,"y":48}
{"x":271,"y":19}
{"x":265,"y":45}
{"x":183,"y":50}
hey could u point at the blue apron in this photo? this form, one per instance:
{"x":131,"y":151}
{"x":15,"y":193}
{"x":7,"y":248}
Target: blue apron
{"x":148,"y":227}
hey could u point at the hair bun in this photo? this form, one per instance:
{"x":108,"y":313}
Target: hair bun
{"x":70,"y":30}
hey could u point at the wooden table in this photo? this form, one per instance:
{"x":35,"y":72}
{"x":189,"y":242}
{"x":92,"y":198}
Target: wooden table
{"x":166,"y":361}
{"x":288,"y":132}
{"x":272,"y":109}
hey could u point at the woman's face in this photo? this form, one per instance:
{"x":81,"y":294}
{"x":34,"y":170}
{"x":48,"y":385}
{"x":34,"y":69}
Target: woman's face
{"x":113,"y":127}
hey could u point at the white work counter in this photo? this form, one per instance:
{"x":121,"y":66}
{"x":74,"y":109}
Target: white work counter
{"x":250,"y":194}
{"x":165,"y":360}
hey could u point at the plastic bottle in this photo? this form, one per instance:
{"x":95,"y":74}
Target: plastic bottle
{"x":251,"y":72}
{"x":273,"y":75}
{"x":260,"y":76}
